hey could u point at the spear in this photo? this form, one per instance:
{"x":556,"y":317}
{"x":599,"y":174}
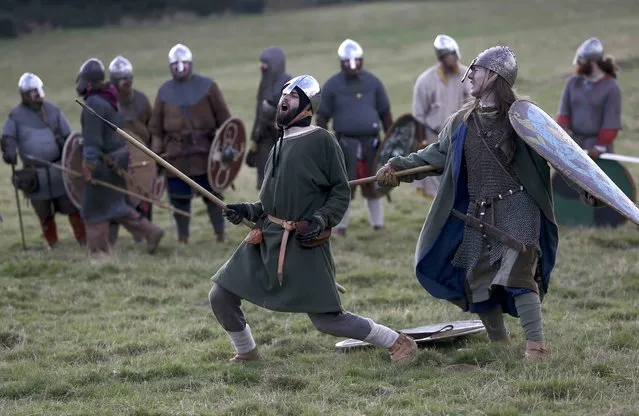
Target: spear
{"x":217,"y":201}
{"x":399,"y":174}
{"x":108,"y":185}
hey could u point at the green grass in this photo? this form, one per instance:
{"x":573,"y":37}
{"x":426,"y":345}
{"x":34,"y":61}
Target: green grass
{"x":137,"y":337}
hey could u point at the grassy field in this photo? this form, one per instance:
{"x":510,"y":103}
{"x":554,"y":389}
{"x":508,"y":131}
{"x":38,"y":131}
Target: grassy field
{"x":137,"y":337}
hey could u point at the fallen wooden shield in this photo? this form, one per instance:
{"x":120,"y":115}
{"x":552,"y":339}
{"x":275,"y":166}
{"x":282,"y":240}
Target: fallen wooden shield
{"x":226,"y":154}
{"x":143,"y":171}
{"x":72,"y":159}
{"x":552,"y":143}
{"x":427,"y":334}
{"x":398,"y":142}
{"x":570,"y":211}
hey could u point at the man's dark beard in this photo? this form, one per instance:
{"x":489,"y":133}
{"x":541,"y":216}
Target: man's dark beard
{"x":585,"y":70}
{"x":284,"y":119}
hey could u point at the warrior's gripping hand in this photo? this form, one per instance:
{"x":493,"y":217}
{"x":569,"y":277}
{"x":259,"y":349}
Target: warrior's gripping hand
{"x":386,"y":176}
{"x":235,"y":213}
{"x":9,"y":150}
{"x":589,"y":199}
{"x":87,"y":171}
{"x":316,"y":225}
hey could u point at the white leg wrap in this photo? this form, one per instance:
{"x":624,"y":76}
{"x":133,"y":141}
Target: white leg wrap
{"x":343,"y":224}
{"x":242,"y":341}
{"x":375,"y":211}
{"x":381,"y":335}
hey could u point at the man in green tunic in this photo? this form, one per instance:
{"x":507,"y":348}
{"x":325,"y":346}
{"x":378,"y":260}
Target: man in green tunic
{"x":489,"y":173}
{"x":305,"y":193}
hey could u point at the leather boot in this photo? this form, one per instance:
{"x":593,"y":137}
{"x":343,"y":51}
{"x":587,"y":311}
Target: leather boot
{"x":403,"y":349}
{"x":50,"y":231}
{"x":505,"y":340}
{"x":252,"y":355}
{"x":78,"y":228}
{"x":140,"y":225}
{"x":535,"y":350}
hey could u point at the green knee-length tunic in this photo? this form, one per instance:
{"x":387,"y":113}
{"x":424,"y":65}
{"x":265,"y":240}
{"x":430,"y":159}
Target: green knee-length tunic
{"x":309,"y":180}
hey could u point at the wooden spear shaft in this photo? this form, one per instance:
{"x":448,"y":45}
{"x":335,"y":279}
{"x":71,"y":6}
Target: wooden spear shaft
{"x":217,"y":201}
{"x":399,"y":174}
{"x":110,"y":186}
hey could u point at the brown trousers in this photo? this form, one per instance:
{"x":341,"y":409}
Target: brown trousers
{"x":133,"y":222}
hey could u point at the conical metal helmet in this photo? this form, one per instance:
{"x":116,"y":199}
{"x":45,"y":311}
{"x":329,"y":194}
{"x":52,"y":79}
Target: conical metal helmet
{"x":349,"y":51}
{"x":180,"y":53}
{"x":30,"y":81}
{"x":499,"y":59}
{"x":92,"y":70}
{"x":590,"y":50}
{"x":309,"y":86}
{"x":444,"y":45}
{"x":120,"y":67}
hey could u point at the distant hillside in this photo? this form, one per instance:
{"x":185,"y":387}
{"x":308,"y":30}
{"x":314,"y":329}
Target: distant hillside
{"x":24,"y":16}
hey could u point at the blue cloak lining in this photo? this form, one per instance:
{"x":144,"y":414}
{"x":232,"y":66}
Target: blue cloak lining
{"x":435,"y":271}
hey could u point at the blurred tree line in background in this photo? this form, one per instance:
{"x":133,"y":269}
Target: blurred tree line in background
{"x":23,"y":16}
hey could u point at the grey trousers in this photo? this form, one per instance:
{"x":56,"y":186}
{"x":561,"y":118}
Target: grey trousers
{"x":226,"y":308}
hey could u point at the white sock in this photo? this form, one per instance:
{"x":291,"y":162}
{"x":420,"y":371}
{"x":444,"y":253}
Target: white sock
{"x":375,"y":212}
{"x":343,"y":224}
{"x":380,"y":335}
{"x":242,"y":341}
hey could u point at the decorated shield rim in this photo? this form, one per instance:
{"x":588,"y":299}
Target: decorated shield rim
{"x":444,"y":327}
{"x":515,"y":119}
{"x":209,"y":163}
{"x":66,"y":180}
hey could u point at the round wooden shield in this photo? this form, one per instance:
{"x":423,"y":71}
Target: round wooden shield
{"x":227,"y":154}
{"x":427,"y":334}
{"x":72,"y":159}
{"x":142,"y":169}
{"x":570,"y":211}
{"x":551,"y":142}
{"x":398,"y":142}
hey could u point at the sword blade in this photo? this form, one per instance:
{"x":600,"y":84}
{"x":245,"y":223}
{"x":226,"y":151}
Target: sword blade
{"x":490,"y":231}
{"x":619,"y":158}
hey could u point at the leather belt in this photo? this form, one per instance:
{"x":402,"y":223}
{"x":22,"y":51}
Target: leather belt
{"x":288,"y":226}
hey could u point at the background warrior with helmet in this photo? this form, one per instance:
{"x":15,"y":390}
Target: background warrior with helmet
{"x":590,"y":106}
{"x":104,"y":153}
{"x":357,"y":102}
{"x":437,"y":94}
{"x":188,"y":110}
{"x":38,"y":128}
{"x":135,"y":109}
{"x":286,"y":263}
{"x":265,"y":133}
